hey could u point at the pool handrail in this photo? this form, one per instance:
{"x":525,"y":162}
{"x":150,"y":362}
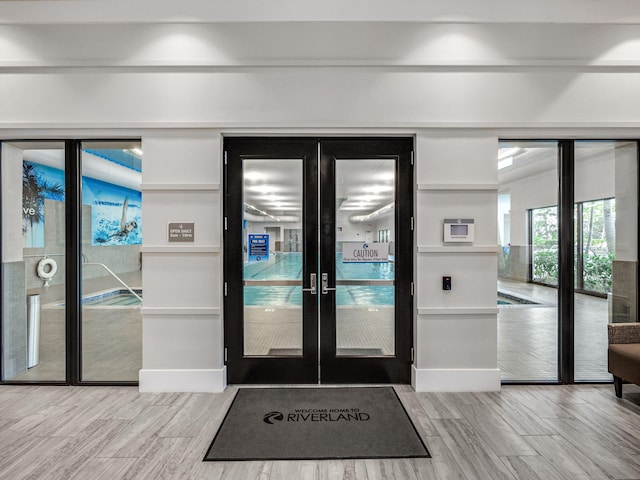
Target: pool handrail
{"x":116,"y":277}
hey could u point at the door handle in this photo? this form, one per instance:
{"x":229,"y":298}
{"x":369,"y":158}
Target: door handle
{"x":312,"y":285}
{"x":325,"y":284}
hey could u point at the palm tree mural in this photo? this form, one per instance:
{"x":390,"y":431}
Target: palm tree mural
{"x":34,"y":191}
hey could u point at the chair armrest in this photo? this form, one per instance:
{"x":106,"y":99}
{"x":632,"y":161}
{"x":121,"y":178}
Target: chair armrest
{"x":624,"y":333}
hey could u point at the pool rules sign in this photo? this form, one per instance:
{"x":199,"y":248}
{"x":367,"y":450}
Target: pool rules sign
{"x":365,"y":252}
{"x":258,"y":247}
{"x":181,"y":232}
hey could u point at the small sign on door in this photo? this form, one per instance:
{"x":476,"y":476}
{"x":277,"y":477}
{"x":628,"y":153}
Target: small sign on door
{"x":365,"y":252}
{"x":181,"y":232}
{"x":258,"y":247}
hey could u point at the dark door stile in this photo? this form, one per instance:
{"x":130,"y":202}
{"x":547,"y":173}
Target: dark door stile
{"x":355,"y":369}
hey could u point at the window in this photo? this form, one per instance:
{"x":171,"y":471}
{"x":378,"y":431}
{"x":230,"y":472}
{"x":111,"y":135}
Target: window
{"x":72,"y":222}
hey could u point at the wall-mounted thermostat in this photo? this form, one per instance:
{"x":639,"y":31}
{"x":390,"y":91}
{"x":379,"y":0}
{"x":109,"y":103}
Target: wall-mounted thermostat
{"x":458,"y":229}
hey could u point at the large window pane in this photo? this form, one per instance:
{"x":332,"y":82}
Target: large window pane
{"x":606,"y":246}
{"x":111,"y":263}
{"x":528,"y":261}
{"x":33,"y":261}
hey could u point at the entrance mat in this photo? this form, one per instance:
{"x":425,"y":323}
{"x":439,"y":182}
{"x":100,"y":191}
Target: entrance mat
{"x":316,"y":423}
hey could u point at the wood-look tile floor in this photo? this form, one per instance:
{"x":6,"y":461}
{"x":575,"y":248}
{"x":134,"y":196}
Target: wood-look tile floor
{"x":528,"y":335}
{"x":574,"y":432}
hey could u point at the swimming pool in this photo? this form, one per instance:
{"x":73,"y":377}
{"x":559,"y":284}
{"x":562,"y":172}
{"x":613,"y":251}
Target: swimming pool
{"x":112,"y":298}
{"x":288,"y":266}
{"x":510,"y":299}
{"x":118,"y":297}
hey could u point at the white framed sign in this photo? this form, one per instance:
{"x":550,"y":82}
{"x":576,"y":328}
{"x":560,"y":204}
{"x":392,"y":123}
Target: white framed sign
{"x":360,"y":252}
{"x":458,"y":229}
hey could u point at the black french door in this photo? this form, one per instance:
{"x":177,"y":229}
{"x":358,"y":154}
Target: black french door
{"x":318,"y":260}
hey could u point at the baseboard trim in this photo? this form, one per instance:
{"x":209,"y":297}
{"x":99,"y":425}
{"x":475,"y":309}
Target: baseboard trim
{"x":210,"y":381}
{"x":455,"y":380}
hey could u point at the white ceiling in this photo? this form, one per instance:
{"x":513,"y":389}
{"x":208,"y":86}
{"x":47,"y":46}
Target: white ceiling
{"x":433,"y":11}
{"x":273,"y":187}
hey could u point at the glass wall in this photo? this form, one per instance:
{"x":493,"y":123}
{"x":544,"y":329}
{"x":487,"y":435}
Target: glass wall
{"x":33,"y":262}
{"x":606,"y":249}
{"x":111,"y":328}
{"x":604,"y":281}
{"x":528,"y":261}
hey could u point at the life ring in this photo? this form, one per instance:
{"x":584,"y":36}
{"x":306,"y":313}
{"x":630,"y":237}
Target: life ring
{"x":45,"y":274}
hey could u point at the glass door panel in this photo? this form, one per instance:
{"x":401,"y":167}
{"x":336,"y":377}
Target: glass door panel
{"x":528,"y":261}
{"x":111,"y":328}
{"x":33,"y":262}
{"x":273,"y":235}
{"x":365,"y":269}
{"x":606,"y":201}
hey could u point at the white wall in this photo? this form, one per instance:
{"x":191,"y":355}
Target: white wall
{"x":351,"y":231}
{"x":458,"y":87}
{"x":456,"y":330}
{"x":182,"y":315}
{"x":317,"y":98}
{"x":12,"y":241}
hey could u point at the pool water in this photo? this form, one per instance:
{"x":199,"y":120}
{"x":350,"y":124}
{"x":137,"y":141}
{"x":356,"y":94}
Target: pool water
{"x":114,"y":298}
{"x":288,"y":266}
{"x":510,"y":299}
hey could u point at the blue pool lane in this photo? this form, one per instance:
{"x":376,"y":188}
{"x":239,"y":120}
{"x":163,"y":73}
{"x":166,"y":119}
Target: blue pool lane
{"x":288,"y":266}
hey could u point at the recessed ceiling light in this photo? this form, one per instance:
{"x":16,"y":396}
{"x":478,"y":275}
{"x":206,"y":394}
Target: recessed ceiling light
{"x":252,"y":175}
{"x":386,"y":176}
{"x":378,"y":188}
{"x":503,"y":153}
{"x":365,"y":198}
{"x":504,"y":163}
{"x":263,"y":188}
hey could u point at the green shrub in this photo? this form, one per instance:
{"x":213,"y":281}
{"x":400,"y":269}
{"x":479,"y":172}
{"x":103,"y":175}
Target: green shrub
{"x":545,"y":266}
{"x":598,"y":272}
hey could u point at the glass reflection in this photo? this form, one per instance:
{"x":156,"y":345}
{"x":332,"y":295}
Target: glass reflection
{"x":33,"y":256}
{"x":528,"y":261}
{"x":273,"y":255}
{"x":365,"y":257}
{"x":111,"y":261}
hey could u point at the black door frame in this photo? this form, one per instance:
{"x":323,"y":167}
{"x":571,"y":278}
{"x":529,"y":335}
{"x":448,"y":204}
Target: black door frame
{"x":240,"y":368}
{"x":312,"y":367}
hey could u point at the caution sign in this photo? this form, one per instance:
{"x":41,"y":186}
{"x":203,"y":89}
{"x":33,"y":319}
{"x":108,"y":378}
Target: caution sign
{"x":365,"y":253}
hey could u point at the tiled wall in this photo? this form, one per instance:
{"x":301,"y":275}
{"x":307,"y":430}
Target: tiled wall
{"x":14,"y":325}
{"x":624,"y":301}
